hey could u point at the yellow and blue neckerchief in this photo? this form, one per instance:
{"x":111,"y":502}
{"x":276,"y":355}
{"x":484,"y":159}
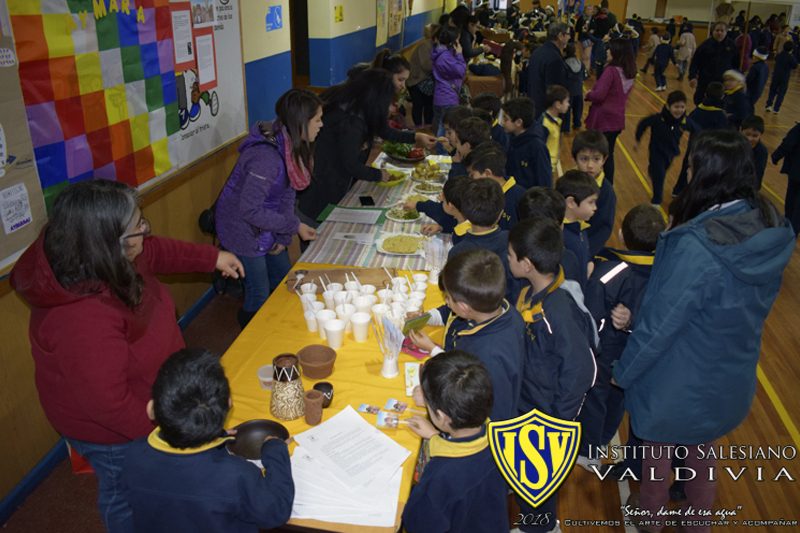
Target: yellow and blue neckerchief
{"x":633,"y":258}
{"x":705,"y":107}
{"x":532,"y":311}
{"x":505,"y":306}
{"x":583,"y":224}
{"x":441,"y":447}
{"x":734,"y":90}
{"x":156,"y":442}
{"x":510,"y":182}
{"x":462,"y":228}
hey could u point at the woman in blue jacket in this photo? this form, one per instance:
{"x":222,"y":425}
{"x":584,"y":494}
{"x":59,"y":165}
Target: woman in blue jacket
{"x":689,"y":368}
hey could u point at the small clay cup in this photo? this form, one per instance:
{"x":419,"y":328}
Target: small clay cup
{"x":313,"y":401}
{"x":327,"y":391}
{"x":317,"y":360}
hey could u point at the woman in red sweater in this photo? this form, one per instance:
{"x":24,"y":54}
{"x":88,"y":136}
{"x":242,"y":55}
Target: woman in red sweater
{"x":102,"y":324}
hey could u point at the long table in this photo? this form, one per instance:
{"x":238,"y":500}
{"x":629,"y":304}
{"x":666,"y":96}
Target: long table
{"x":279,"y":327}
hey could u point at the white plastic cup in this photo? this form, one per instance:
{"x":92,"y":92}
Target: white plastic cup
{"x":420,"y":278}
{"x":334,"y":330}
{"x":417,"y":295}
{"x":401,"y":289}
{"x":307,"y":299}
{"x":385,"y":295}
{"x":414,"y":303}
{"x":317,"y":306}
{"x":352,"y":295}
{"x":311,"y":320}
{"x":367,"y":289}
{"x":328,"y":297}
{"x":419,"y":287}
{"x":360,"y":323}
{"x":340,"y":298}
{"x":352,"y":286}
{"x":344,"y":312}
{"x":399,"y":298}
{"x":433,"y":277}
{"x":363,"y":304}
{"x":265,"y":376}
{"x":399,"y":280}
{"x":322,"y":317}
{"x":413,"y":308}
{"x":308,"y":288}
{"x":335,"y":287}
{"x":379,"y":311}
{"x":399,"y":310}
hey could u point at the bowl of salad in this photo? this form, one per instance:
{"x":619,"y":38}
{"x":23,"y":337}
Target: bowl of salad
{"x":403,"y":153}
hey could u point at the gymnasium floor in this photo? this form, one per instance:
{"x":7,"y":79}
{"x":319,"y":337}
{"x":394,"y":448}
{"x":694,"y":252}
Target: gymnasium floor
{"x":65,"y":502}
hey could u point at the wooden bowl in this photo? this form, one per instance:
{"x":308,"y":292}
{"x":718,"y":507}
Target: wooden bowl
{"x":250,"y":436}
{"x":317,"y":360}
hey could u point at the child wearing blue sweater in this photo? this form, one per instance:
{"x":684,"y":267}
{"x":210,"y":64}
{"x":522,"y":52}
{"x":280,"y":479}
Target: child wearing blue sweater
{"x":488,"y":160}
{"x":181,"y":478}
{"x":580,"y":194}
{"x":461,"y":488}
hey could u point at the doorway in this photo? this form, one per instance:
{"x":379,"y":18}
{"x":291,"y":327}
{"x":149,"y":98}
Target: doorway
{"x":298,"y":20}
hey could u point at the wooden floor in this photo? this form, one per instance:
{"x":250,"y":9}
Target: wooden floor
{"x":775,"y":415}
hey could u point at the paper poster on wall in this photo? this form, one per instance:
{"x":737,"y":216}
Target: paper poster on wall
{"x":338,"y":13}
{"x":274,"y":19}
{"x":206,"y":58}
{"x":395,"y":17}
{"x":381,"y":22}
{"x":7,"y":57}
{"x":182,"y":35}
{"x":203,"y":13}
{"x":15,"y":208}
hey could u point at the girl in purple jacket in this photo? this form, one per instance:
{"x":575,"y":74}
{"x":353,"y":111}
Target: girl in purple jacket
{"x":255,"y":216}
{"x":449,"y":69}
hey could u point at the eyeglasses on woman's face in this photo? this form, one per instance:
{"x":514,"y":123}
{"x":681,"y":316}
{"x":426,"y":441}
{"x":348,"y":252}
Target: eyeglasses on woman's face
{"x":142,"y":229}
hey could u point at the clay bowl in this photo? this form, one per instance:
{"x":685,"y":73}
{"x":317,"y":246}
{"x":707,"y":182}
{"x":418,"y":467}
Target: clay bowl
{"x":317,"y":361}
{"x":250,"y":436}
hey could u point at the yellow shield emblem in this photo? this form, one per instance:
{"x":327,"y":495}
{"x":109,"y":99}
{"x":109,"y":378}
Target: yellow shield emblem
{"x":535,"y":452}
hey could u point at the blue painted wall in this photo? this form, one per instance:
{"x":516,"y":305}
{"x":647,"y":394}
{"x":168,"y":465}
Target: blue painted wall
{"x":330,"y":59}
{"x":267,"y":79}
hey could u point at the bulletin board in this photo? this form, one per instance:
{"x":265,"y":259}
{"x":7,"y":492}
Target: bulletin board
{"x":128,"y":90}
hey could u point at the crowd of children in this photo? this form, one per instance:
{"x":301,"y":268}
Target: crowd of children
{"x":537,"y":307}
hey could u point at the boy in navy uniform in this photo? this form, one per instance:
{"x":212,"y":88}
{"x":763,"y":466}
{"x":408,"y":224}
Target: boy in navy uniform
{"x":666,"y":130}
{"x":590,"y":151}
{"x":479,"y":320}
{"x":789,"y":151}
{"x":560,"y":367}
{"x":557,"y":101}
{"x":450,"y":120}
{"x":662,"y":55}
{"x":181,"y":478}
{"x":753,"y":128}
{"x":547,"y":202}
{"x":580,"y":194}
{"x":461,"y":488}
{"x":481,"y":206}
{"x":491,"y":103}
{"x":619,"y":281}
{"x":709,"y":115}
{"x":736,"y":102}
{"x":757,"y":75}
{"x":446,"y":213}
{"x":469,"y":133}
{"x":528,"y":158}
{"x":785,"y":63}
{"x":488,"y":160}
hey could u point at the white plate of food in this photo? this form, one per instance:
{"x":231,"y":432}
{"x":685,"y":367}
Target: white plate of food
{"x":427,"y":171}
{"x":404,"y":244}
{"x":427,"y":187}
{"x":400,"y":214}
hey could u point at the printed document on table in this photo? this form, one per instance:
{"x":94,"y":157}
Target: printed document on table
{"x":352,"y":449}
{"x":354,"y":216}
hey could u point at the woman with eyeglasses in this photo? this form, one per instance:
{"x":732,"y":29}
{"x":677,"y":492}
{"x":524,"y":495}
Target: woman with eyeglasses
{"x":102,"y":324}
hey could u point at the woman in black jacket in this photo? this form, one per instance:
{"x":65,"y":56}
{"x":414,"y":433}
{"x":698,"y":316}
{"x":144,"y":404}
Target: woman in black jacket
{"x":355,"y":112}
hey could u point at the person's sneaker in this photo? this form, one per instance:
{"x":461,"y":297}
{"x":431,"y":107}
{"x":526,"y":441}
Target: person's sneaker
{"x":586,"y":463}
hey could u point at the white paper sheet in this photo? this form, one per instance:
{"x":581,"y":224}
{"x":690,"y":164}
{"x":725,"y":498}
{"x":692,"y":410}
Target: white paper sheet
{"x":182,"y":36}
{"x":15,"y":208}
{"x":353,"y":450}
{"x":354,"y":216}
{"x":206,"y":68}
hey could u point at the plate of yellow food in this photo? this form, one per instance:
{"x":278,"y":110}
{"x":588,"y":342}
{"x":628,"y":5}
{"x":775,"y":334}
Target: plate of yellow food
{"x":427,"y":171}
{"x":428,"y":187}
{"x":398,"y":177}
{"x":400,"y":243}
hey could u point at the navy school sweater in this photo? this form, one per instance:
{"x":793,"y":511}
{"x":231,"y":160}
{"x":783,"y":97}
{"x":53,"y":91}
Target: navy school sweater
{"x":665,"y":134}
{"x":707,"y":116}
{"x":206,"y":489}
{"x":760,"y":156}
{"x":434,"y":209}
{"x":512,"y":193}
{"x":662,"y":55}
{"x":500,"y":136}
{"x":495,"y":240}
{"x":619,"y":277}
{"x":500,"y":345}
{"x":576,"y":241}
{"x":738,"y":107}
{"x":528,"y":159}
{"x":561,"y":338}
{"x":461,"y":489}
{"x":785,"y":63}
{"x":602,"y":222}
{"x":756,"y":80}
